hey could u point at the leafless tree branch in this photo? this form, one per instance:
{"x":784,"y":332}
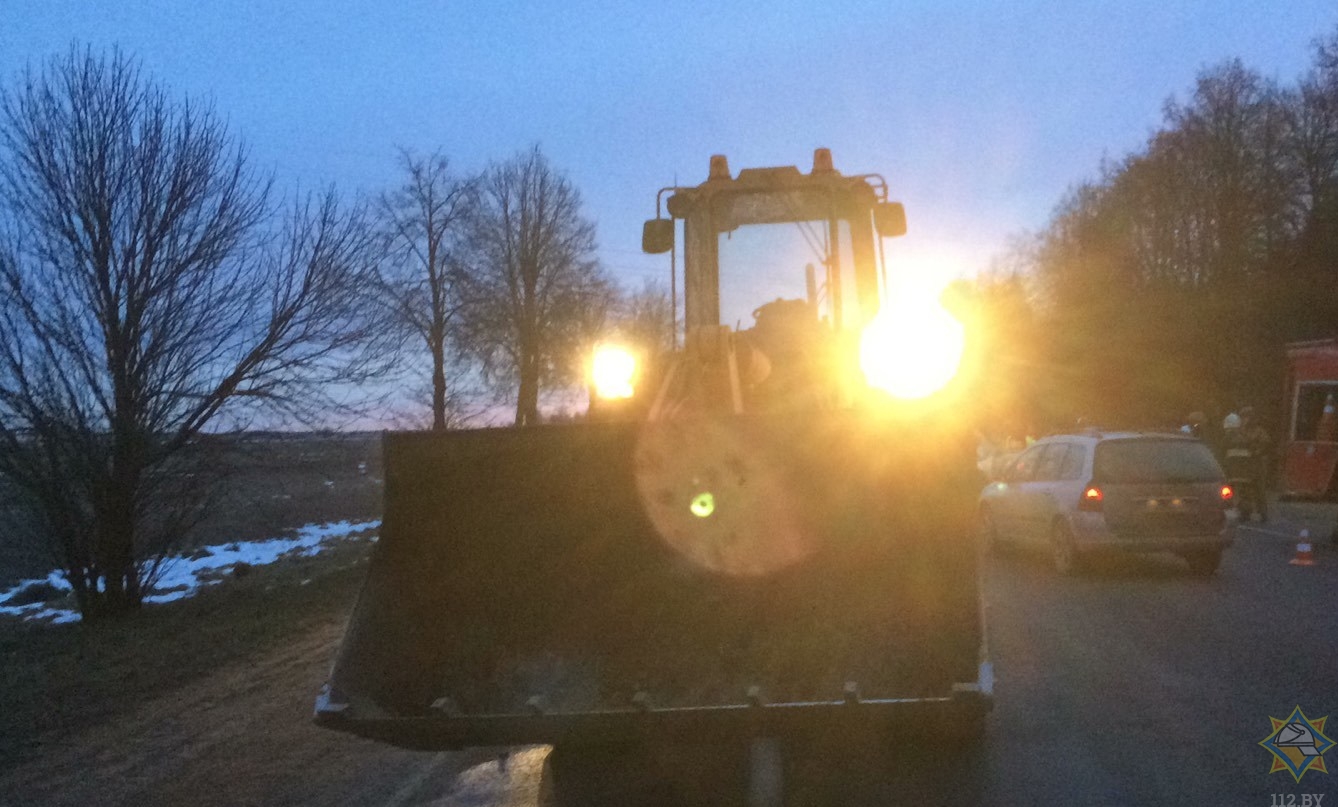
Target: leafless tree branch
{"x":535,"y":292}
{"x":146,"y":295}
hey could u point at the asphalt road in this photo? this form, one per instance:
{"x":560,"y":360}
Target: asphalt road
{"x":1139,"y":684}
{"x":1134,"y":684}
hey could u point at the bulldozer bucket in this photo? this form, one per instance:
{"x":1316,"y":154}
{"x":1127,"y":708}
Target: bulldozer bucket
{"x":578,"y":582}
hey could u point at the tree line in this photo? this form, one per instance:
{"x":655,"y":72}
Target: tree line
{"x":155,"y":287}
{"x":494,"y":276}
{"x":1172,"y":281}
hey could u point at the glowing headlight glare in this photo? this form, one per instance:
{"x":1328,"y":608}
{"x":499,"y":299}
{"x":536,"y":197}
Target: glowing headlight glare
{"x":912,"y":350}
{"x":612,"y":371}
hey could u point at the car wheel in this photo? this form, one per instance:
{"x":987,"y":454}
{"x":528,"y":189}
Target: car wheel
{"x":1204,"y":563}
{"x":1063,"y":552}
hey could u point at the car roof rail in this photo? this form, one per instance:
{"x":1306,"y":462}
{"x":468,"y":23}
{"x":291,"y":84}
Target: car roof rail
{"x":1100,"y":432}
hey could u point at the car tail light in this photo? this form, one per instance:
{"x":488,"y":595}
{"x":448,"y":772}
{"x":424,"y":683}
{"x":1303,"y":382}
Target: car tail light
{"x":1228,"y":496}
{"x":1091,"y":499}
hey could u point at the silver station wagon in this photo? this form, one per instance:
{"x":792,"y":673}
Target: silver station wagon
{"x":1077,"y":494}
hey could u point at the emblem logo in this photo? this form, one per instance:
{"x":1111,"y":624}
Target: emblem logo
{"x":1297,"y":744}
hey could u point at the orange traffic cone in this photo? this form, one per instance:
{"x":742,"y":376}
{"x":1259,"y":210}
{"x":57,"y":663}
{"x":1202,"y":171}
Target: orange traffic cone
{"x":1305,"y":553}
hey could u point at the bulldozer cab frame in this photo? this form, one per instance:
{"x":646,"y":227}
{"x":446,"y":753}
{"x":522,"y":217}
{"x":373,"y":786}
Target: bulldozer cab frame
{"x":842,"y":211}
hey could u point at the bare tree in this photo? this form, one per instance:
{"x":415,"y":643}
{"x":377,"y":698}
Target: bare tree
{"x":1175,"y":279}
{"x":646,"y":317}
{"x":1315,"y":151}
{"x":536,"y":292}
{"x":1227,"y":149}
{"x":144,"y":297}
{"x":424,"y":220}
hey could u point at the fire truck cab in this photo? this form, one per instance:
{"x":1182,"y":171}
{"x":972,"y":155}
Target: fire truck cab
{"x":1310,"y":451}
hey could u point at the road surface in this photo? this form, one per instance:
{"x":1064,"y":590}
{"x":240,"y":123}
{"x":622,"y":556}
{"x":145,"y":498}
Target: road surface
{"x":1135,"y":684}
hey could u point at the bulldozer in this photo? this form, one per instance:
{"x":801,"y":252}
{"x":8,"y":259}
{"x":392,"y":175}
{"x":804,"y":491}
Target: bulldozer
{"x":745,"y":547}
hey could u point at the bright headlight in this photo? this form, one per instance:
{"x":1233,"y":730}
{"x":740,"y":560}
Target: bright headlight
{"x":912,"y":348}
{"x":612,"y":372}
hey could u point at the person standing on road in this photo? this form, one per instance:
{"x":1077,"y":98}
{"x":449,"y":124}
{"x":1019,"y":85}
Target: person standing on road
{"x":1245,"y":452}
{"x":1261,"y":453}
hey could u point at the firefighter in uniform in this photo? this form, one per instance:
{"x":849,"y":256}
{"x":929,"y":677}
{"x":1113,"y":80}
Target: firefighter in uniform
{"x":1246,"y":452}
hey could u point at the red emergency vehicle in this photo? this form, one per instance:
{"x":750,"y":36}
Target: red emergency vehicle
{"x":1310,"y":454}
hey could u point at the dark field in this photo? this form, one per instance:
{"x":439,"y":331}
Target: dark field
{"x":270,"y":483}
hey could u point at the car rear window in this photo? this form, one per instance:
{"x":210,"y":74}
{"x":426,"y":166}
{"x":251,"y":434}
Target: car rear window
{"x":1124,"y":461}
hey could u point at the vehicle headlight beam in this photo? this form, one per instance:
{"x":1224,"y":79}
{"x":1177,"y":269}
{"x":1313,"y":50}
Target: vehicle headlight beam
{"x":912,"y":348}
{"x":612,"y":372}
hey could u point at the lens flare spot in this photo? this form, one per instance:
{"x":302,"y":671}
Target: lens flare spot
{"x":711,"y":499}
{"x":703,"y":505}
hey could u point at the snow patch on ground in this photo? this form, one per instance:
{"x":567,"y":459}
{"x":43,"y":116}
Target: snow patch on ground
{"x":182,"y":577}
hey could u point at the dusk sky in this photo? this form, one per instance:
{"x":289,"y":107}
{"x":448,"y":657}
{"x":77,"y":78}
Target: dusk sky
{"x":979,"y":114}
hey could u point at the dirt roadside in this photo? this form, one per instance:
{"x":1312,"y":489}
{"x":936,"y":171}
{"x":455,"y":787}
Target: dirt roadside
{"x":240,"y":736}
{"x":208,"y":702}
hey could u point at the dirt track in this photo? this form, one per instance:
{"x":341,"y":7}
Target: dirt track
{"x":238,"y":737}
